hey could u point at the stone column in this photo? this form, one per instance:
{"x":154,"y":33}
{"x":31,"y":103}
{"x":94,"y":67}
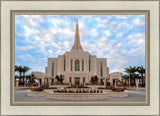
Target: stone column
{"x":81,"y":80}
{"x":73,"y":64}
{"x":49,"y":82}
{"x":80,"y":61}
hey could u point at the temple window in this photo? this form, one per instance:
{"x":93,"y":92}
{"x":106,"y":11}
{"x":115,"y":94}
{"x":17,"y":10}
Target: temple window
{"x":101,"y":69}
{"x":71,"y":65}
{"x":82,"y":65}
{"x":52,"y":69}
{"x":64,"y":64}
{"x":89,"y":65}
{"x":76,"y":65}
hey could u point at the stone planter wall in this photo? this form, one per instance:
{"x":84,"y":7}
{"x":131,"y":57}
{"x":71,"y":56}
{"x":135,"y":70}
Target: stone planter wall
{"x":118,"y":94}
{"x":78,"y":96}
{"x":36,"y":93}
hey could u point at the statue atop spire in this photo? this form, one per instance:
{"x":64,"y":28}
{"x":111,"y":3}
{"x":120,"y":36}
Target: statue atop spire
{"x":77,"y":45}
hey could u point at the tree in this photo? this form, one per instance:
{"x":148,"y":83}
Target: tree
{"x":16,"y":68}
{"x":125,"y":78}
{"x":94,"y":79}
{"x":28,"y":77}
{"x":20,"y":70}
{"x":32,"y":78}
{"x":128,"y":70}
{"x":25,"y":69}
{"x":57,"y":77}
{"x":60,"y":78}
{"x":141,"y":71}
{"x":133,"y":70}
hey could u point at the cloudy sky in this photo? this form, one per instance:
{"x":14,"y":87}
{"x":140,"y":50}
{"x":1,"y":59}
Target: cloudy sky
{"x":120,"y":38}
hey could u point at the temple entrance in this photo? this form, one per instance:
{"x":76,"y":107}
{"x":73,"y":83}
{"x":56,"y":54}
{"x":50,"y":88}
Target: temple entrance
{"x":77,"y":80}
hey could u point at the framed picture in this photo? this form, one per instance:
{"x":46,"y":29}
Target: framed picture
{"x":72,"y":57}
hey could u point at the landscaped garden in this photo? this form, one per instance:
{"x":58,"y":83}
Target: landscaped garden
{"x":118,"y":89}
{"x":77,"y":91}
{"x":38,"y":89}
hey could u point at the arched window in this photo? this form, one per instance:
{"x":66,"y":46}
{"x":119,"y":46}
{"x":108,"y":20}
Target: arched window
{"x":76,"y":65}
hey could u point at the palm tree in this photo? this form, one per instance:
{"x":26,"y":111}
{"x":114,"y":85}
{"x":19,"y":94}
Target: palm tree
{"x":141,"y":71}
{"x":20,"y":70}
{"x":125,"y":79}
{"x":28,"y":77}
{"x":133,"y":70}
{"x":128,"y":70}
{"x":16,"y":68}
{"x":25,"y":69}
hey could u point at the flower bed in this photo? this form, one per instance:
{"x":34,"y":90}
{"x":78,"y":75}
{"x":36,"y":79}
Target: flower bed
{"x":77,"y":91}
{"x":117,"y":89}
{"x":52,"y":88}
{"x":38,"y":89}
{"x":105,"y":88}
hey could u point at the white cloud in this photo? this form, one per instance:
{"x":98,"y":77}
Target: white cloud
{"x":94,"y":32}
{"x":37,"y":17}
{"x":121,"y":16}
{"x":103,"y":23}
{"x":138,"y":22}
{"x":136,"y":35}
{"x":119,"y":45}
{"x":50,"y":51}
{"x":67,"y":44}
{"x":23,"y":47}
{"x":108,"y":32}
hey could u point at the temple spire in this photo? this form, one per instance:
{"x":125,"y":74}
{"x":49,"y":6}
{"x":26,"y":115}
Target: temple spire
{"x":77,"y":45}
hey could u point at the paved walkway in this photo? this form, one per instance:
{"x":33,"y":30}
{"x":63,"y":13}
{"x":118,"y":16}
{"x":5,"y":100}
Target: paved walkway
{"x":133,"y":96}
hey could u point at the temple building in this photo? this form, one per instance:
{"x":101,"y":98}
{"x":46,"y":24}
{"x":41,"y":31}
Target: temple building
{"x":76,"y":66}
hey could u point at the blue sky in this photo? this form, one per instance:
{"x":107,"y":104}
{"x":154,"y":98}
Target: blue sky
{"x":120,"y":38}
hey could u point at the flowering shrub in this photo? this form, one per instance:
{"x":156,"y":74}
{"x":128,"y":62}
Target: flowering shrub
{"x":105,"y":87}
{"x":77,"y":91}
{"x":118,"y":89}
{"x":38,"y":89}
{"x":52,"y":88}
